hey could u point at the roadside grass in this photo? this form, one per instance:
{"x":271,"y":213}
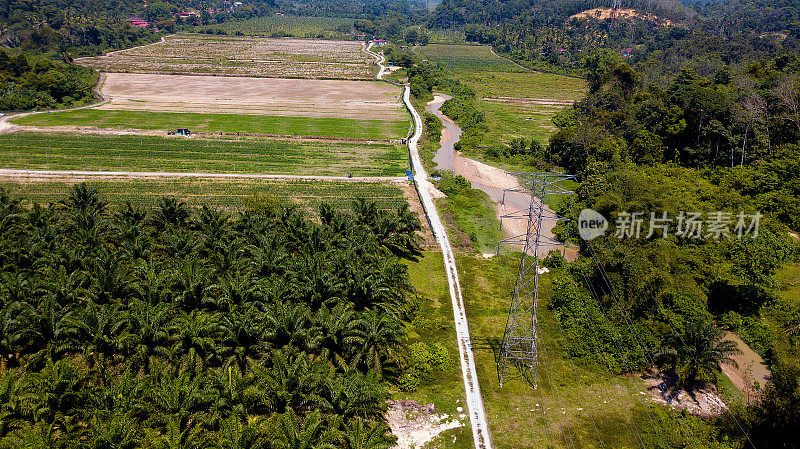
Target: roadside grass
{"x":228,"y":123}
{"x":575,"y":405}
{"x":434,"y":324}
{"x":63,"y":151}
{"x":228,"y":194}
{"x":471,"y":220}
{"x":299,"y":26}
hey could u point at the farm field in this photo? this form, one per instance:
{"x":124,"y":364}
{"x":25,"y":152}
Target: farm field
{"x":228,"y":194}
{"x":240,"y":95}
{"x":221,"y":123}
{"x":297,"y":26}
{"x":517,"y":102}
{"x":63,"y":151}
{"x":197,"y":54}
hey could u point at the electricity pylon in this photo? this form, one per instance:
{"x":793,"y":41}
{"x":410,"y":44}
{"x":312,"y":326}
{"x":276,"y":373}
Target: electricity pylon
{"x":520,"y":339}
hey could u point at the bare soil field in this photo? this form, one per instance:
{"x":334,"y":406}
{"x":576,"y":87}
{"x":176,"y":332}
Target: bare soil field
{"x":241,"y":56}
{"x":257,"y":96}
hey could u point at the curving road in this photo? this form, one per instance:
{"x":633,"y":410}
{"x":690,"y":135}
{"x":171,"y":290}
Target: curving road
{"x":477,"y":414}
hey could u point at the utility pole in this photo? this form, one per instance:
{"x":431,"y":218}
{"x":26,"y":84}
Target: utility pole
{"x":521,"y":340}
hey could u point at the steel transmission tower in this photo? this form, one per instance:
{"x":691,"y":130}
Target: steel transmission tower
{"x":520,"y":339}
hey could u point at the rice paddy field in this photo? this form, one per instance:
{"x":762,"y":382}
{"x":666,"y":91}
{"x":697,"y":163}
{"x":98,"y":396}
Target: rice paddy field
{"x":297,"y":26}
{"x":227,"y":194}
{"x":518,"y":102}
{"x":199,"y":54}
{"x":65,"y":151}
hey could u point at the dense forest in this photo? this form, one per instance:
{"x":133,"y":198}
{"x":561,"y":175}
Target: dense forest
{"x":123,"y":327}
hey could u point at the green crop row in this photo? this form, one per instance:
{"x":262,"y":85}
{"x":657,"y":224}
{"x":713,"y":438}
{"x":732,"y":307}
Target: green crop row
{"x":230,"y":194}
{"x":228,"y":123}
{"x":63,"y":151}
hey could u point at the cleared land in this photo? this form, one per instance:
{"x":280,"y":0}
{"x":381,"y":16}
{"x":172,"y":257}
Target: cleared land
{"x":241,"y":56}
{"x":258,"y":96}
{"x":218,"y":193}
{"x":220,"y":123}
{"x":518,"y":102}
{"x":63,"y":151}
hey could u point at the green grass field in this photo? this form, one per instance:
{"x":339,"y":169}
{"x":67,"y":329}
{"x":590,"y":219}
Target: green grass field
{"x":63,"y":151}
{"x":228,"y":194}
{"x":297,"y":26}
{"x":229,"y":123}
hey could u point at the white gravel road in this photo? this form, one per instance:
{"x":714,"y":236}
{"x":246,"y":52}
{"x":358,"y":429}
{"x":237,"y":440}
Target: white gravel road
{"x":477,"y":415}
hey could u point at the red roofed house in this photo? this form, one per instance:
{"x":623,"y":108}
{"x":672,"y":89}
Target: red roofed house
{"x":138,"y":23}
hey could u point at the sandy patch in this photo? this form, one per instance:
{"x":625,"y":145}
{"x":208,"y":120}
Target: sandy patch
{"x":702,"y":402}
{"x":622,"y":14}
{"x":416,"y":425}
{"x":752,"y":374}
{"x":257,"y":96}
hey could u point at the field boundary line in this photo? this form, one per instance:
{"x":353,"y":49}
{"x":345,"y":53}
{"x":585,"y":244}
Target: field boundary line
{"x":25,"y":173}
{"x":477,"y":415}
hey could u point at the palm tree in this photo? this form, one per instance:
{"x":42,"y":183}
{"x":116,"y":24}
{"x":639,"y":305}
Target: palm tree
{"x":152,"y":337}
{"x":194,"y":336}
{"x":354,"y":395}
{"x":236,"y":434}
{"x":290,"y":432}
{"x":360,"y":434}
{"x":41,"y":435}
{"x":58,"y":392}
{"x":13,"y":411}
{"x":697,"y":352}
{"x":291,"y":382}
{"x":289,"y":324}
{"x":102,"y":331}
{"x":38,"y":333}
{"x":170,"y":211}
{"x":338,"y":332}
{"x":242,"y":330}
{"x":115,"y":431}
{"x":194,"y":288}
{"x":234,"y":395}
{"x":177,"y":436}
{"x":379,"y":341}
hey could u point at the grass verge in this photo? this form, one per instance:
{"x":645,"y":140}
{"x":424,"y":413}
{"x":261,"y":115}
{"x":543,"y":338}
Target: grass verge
{"x":434,"y":325}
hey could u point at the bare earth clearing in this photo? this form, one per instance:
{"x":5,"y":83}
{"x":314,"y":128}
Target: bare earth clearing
{"x":241,"y":56}
{"x":258,"y":96}
{"x":623,"y":14}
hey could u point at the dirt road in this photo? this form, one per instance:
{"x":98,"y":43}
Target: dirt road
{"x":491,"y":180}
